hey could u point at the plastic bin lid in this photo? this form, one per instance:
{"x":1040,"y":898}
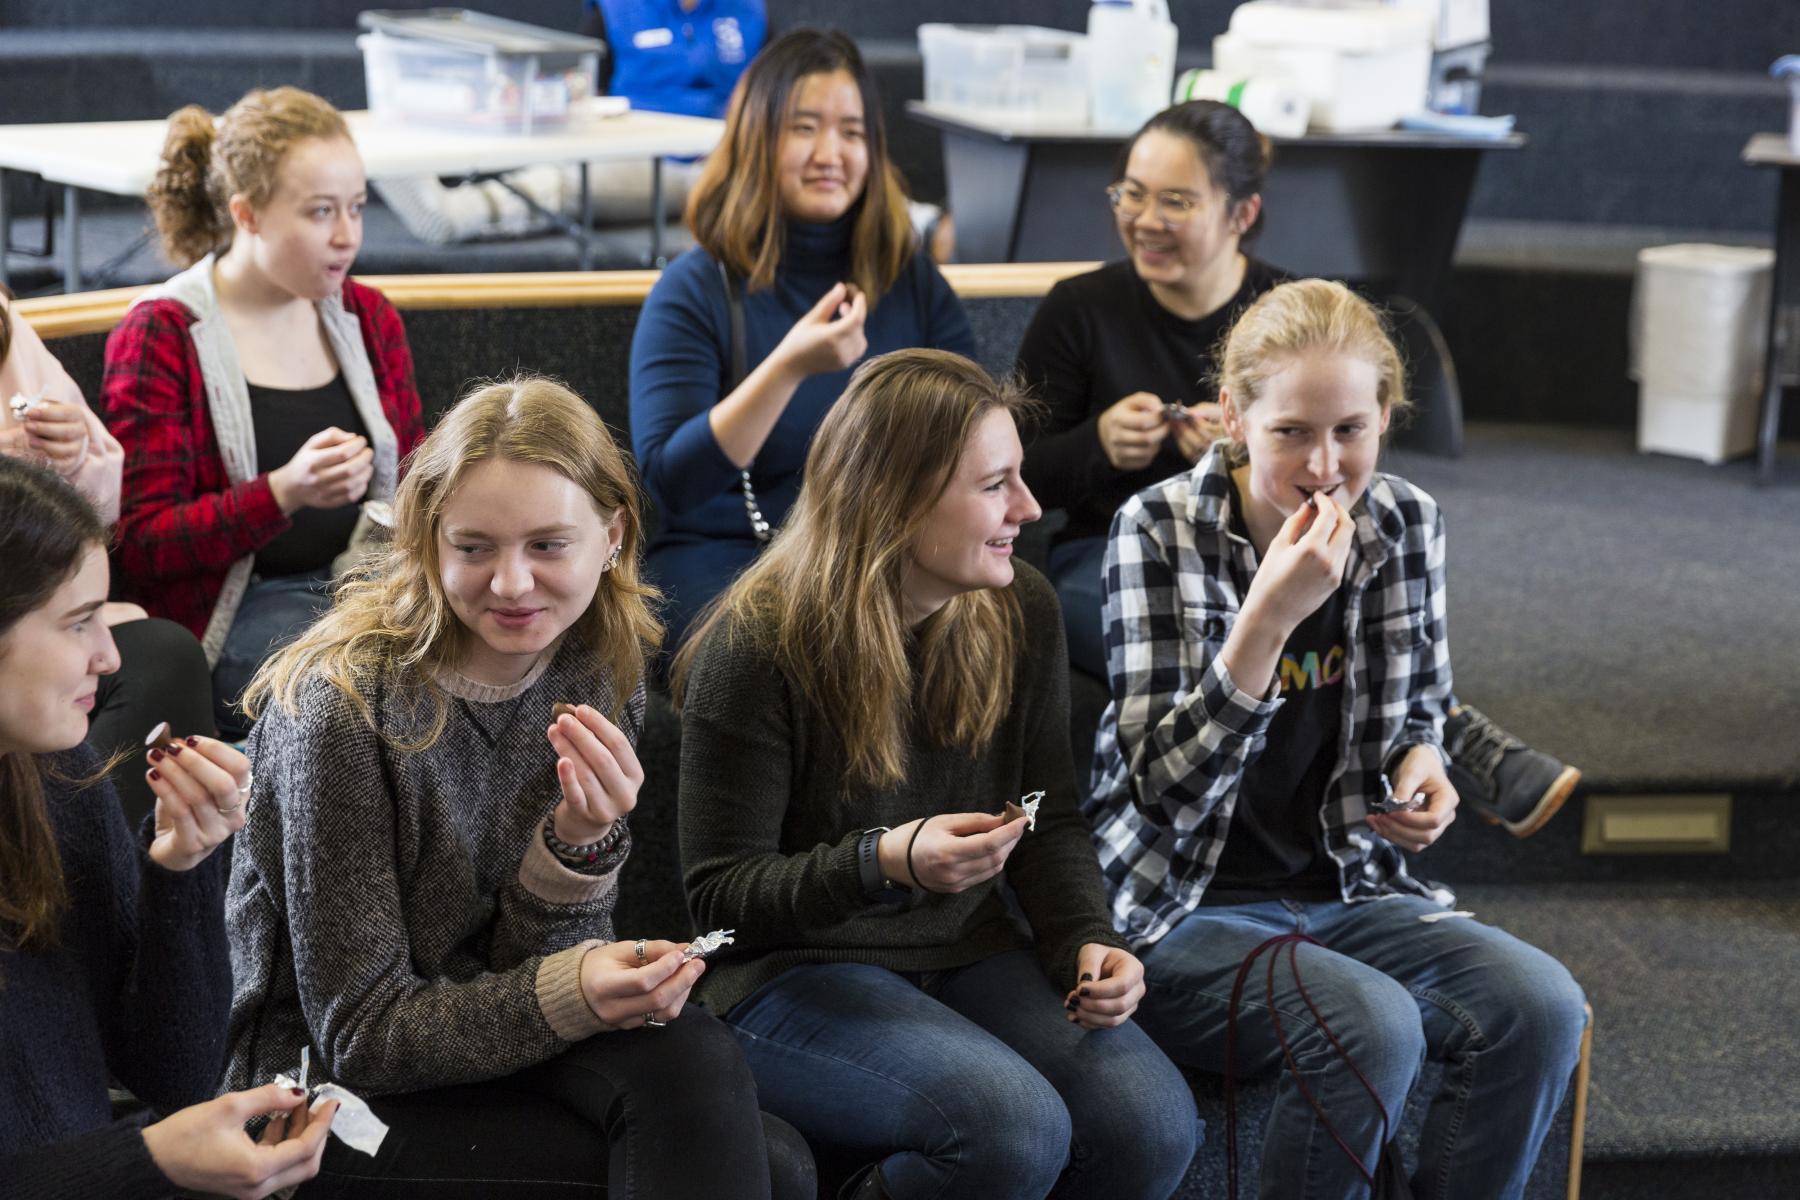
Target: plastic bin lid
{"x":476,"y":31}
{"x":1707,"y":257}
{"x":1362,"y":30}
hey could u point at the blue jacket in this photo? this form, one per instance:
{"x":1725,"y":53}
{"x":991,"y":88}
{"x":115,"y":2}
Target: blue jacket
{"x":681,"y":366}
{"x":667,"y":60}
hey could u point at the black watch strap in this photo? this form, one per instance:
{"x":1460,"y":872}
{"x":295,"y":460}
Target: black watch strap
{"x":868,"y":867}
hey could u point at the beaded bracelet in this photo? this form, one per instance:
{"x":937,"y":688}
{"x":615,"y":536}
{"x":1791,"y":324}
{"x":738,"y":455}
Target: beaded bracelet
{"x":581,"y":856}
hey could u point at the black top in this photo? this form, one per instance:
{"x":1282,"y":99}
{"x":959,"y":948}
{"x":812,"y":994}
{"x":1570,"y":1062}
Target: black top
{"x":136,"y":988}
{"x":1094,"y":340}
{"x":283,"y":420}
{"x":1275,"y":847}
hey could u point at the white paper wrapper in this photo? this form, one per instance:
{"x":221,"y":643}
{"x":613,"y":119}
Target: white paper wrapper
{"x":356,"y":1124}
{"x":706,"y":944}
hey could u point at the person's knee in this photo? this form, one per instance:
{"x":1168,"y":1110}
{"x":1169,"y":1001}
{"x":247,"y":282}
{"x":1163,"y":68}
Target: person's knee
{"x":1376,"y":1021}
{"x":1543,"y":1010}
{"x":792,"y":1173}
{"x":1144,"y":1139}
{"x":705,"y":1051}
{"x":1011,"y":1135}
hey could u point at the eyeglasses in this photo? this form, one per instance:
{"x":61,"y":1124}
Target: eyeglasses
{"x":1129,"y":200}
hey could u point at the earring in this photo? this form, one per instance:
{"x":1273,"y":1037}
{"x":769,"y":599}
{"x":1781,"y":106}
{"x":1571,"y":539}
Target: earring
{"x":611,"y":561}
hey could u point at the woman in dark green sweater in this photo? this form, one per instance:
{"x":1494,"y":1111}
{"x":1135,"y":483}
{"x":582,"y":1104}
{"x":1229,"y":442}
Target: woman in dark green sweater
{"x":858,"y":712}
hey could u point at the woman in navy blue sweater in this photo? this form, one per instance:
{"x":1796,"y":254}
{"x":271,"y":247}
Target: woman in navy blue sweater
{"x":112,"y":947}
{"x":802,"y":220}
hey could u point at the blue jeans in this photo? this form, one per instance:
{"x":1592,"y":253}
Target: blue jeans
{"x":273,"y":612}
{"x":1075,"y":572}
{"x":1505,"y":1018}
{"x":968,"y":1082}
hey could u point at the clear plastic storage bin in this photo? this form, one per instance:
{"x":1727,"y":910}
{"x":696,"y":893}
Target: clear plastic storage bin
{"x":1026,"y":74}
{"x":465,"y":70}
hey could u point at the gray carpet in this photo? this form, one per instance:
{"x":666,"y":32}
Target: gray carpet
{"x":1695,"y":1011}
{"x":1638,"y":615}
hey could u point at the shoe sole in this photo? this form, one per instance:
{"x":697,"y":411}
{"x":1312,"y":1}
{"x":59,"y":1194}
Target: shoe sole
{"x":1548,"y":805}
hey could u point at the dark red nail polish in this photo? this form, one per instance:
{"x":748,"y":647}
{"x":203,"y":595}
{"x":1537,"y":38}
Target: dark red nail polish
{"x":155,"y":774}
{"x":1087,"y":977}
{"x":1084,"y":991}
{"x":156,"y":756}
{"x":193,"y":741}
{"x":174,"y":750}
{"x":297,"y":1091}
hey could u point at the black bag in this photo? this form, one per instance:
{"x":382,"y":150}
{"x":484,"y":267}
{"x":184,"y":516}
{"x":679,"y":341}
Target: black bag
{"x":1388,"y":1182}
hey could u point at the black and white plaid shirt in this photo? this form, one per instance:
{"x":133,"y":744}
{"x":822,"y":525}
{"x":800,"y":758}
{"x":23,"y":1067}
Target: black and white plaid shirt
{"x":1173,"y":744}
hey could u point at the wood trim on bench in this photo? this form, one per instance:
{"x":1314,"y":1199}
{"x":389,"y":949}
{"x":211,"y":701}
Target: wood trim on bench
{"x":98,"y":312}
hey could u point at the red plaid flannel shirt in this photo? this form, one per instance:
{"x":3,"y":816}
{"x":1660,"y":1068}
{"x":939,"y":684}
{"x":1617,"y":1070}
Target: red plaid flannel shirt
{"x":182,"y":523}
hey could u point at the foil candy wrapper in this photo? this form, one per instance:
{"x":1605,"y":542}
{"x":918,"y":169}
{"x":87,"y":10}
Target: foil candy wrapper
{"x":356,"y":1124}
{"x":1434,"y":918}
{"x":706,"y":944}
{"x":1027,"y":807}
{"x":1390,"y":803}
{"x":21,"y":404}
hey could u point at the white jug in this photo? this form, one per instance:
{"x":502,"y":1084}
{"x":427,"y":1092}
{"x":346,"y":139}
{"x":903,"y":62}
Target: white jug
{"x":1131,"y":62}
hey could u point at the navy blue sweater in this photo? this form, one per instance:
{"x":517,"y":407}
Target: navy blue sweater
{"x":137,"y":987}
{"x":681,"y":367}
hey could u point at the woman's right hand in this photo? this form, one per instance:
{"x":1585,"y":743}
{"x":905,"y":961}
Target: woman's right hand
{"x":1303,"y":565}
{"x":952,"y":853}
{"x":1132,"y":431}
{"x":330,"y":470}
{"x":621,"y":988}
{"x":830,"y":337}
{"x":205,"y":1149}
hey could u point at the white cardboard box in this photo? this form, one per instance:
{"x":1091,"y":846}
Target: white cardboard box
{"x":1363,"y":68}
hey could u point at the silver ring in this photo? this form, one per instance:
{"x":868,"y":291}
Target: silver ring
{"x":650,"y":1021}
{"x":642,"y":957}
{"x":225,"y":810}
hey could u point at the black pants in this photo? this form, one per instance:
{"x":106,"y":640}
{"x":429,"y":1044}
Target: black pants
{"x":162,"y":676}
{"x":645,"y":1114}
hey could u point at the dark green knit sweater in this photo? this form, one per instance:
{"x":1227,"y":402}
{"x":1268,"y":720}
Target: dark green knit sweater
{"x":768,"y":837}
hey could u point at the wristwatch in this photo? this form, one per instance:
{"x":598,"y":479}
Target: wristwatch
{"x":868,"y":865}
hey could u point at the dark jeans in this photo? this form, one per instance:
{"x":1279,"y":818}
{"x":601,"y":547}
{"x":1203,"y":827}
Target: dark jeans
{"x":968,"y":1082}
{"x":1075,"y":572}
{"x":272,"y":613}
{"x":162,"y":676}
{"x":644,"y":1114}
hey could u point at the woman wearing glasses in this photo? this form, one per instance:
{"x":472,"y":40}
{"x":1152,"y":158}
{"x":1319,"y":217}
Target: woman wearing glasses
{"x":1119,"y":354}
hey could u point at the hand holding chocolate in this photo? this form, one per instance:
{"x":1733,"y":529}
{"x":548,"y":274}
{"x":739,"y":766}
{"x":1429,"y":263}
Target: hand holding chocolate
{"x":201,"y":785}
{"x":598,"y":771}
{"x":629,"y":985}
{"x":951,"y":852}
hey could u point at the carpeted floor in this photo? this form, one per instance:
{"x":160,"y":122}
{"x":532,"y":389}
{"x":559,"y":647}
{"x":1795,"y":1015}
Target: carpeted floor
{"x":1638,"y":615}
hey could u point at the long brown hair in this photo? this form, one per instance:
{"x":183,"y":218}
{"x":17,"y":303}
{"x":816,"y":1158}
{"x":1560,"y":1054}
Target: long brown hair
{"x":827,"y":593}
{"x":734,"y":210}
{"x":45,"y":530}
{"x":392,"y":619}
{"x":204,"y":166}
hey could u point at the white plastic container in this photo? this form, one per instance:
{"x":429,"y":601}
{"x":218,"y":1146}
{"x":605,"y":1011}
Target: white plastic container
{"x":1699,"y":334}
{"x":1026,"y":75}
{"x":1362,"y":68}
{"x":1274,"y":104}
{"x":1131,"y":62}
{"x":460,"y":69}
{"x":1788,"y":67}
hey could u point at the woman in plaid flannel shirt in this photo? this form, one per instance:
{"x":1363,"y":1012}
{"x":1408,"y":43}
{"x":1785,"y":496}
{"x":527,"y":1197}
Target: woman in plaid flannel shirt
{"x":260,"y":395}
{"x":1276,"y":650}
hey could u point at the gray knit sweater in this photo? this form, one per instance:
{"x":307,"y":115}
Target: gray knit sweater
{"x":400,"y":912}
{"x":768,"y":837}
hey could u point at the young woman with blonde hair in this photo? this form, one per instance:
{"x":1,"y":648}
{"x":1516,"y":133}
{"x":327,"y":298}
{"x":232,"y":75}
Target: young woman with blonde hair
{"x":424,"y":891}
{"x":857,"y":712}
{"x":1275,"y":637}
{"x":261,"y":395}
{"x":806,"y":263}
{"x":112,"y":940}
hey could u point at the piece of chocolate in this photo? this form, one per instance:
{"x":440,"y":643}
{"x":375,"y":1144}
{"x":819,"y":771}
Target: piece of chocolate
{"x":559,"y":710}
{"x":1177,"y":412}
{"x":158,"y":738}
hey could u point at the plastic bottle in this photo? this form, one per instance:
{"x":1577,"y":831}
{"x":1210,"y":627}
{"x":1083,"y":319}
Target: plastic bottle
{"x":1272,"y":103}
{"x":1131,"y":61}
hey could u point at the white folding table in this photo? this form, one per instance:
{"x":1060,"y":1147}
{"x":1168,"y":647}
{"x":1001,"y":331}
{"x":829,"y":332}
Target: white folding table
{"x":121,"y":157}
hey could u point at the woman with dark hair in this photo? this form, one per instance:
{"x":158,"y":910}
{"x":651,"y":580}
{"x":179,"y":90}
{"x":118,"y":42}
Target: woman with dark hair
{"x":1124,"y":357}
{"x":806,"y":262}
{"x":871,"y":717}
{"x":261,"y":395}
{"x":112,"y":945}
{"x":163,"y":674}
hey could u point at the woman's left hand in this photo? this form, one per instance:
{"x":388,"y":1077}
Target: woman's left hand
{"x":1195,"y":435}
{"x":599,"y":773}
{"x":201,"y":785}
{"x":58,"y":430}
{"x":1421,"y":771}
{"x":1111,"y":984}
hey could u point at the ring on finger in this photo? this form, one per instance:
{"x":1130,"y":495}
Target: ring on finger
{"x":641,"y":956}
{"x":225,"y":810}
{"x":650,"y":1021}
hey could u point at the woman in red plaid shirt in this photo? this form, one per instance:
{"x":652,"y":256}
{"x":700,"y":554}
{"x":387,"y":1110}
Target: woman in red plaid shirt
{"x":265,"y":401}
